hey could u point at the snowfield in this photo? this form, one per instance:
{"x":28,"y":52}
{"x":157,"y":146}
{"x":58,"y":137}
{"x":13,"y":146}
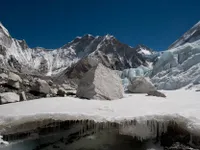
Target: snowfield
{"x":181,"y":106}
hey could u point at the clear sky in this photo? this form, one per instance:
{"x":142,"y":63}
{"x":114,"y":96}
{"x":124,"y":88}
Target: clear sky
{"x":53,"y":23}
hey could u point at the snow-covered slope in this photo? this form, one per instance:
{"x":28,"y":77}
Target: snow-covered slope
{"x":16,"y":55}
{"x":190,"y":36}
{"x":178,"y":67}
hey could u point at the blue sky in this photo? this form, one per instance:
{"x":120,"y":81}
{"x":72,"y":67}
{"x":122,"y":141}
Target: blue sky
{"x":53,"y":23}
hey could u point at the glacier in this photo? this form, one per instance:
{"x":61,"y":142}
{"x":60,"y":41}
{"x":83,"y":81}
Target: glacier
{"x":128,"y":75}
{"x":136,"y":115}
{"x":178,"y":67}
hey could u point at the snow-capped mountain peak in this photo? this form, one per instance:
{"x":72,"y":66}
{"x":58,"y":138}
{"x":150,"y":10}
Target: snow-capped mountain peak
{"x":16,"y":54}
{"x":144,"y":50}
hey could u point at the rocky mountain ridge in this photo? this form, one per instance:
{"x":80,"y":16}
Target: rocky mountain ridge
{"x":190,"y":36}
{"x":16,"y":54}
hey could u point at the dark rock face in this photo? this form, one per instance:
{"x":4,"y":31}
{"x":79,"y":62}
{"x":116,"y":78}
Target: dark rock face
{"x":23,"y":44}
{"x":2,"y":50}
{"x":43,"y":66}
{"x":111,"y":53}
{"x":13,"y":62}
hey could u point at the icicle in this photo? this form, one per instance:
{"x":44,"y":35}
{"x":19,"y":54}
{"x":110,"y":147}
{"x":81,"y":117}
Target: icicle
{"x":157,"y":130}
{"x":134,"y":122}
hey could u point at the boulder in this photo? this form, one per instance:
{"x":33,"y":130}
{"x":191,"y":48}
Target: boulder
{"x":100,"y":83}
{"x":61,"y":92}
{"x":41,"y":86}
{"x":14,"y":80}
{"x":3,"y":76}
{"x":156,"y":93}
{"x":50,"y":82}
{"x":9,"y":97}
{"x":141,"y":85}
{"x":54,"y":91}
{"x":23,"y":96}
{"x":26,"y":82}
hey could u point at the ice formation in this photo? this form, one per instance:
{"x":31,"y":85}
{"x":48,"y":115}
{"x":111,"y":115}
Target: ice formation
{"x":178,"y":67}
{"x":128,"y":75}
{"x":185,"y":109}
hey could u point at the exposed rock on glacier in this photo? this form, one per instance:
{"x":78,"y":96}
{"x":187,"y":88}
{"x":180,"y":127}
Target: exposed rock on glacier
{"x":178,"y":67}
{"x":61,"y":92}
{"x":156,"y":93}
{"x":100,"y":83}
{"x":141,"y":85}
{"x":41,"y":86}
{"x":9,"y":97}
{"x":14,"y":80}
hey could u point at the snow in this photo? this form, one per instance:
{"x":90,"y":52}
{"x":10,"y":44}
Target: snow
{"x":4,"y":30}
{"x":144,"y":51}
{"x":108,"y":37}
{"x":181,"y":106}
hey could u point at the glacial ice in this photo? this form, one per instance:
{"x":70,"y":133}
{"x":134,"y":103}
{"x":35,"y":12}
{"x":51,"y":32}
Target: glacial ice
{"x":178,"y":67}
{"x":137,"y":115}
{"x":128,"y":75}
{"x":135,"y":72}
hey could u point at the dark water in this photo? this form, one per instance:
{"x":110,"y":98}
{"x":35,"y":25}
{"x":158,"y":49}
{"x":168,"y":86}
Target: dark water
{"x":100,"y":141}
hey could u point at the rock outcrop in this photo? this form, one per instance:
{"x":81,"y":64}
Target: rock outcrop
{"x":141,"y":85}
{"x":100,"y":83}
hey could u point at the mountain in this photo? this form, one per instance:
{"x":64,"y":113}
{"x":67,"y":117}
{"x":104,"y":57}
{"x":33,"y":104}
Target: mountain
{"x":180,"y":65}
{"x":190,"y":36}
{"x":16,"y":55}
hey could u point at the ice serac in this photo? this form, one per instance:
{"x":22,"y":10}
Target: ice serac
{"x":100,"y":83}
{"x":190,"y":36}
{"x":178,"y":67}
{"x":71,"y":60}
